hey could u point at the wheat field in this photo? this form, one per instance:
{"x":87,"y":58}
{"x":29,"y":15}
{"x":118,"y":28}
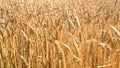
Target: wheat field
{"x":59,"y":34}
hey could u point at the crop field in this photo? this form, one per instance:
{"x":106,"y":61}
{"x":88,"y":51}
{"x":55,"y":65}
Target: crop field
{"x":59,"y":33}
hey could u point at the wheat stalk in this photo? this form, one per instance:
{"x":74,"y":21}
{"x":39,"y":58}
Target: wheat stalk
{"x":24,"y":60}
{"x":33,"y":30}
{"x":78,"y":22}
{"x":115,"y":30}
